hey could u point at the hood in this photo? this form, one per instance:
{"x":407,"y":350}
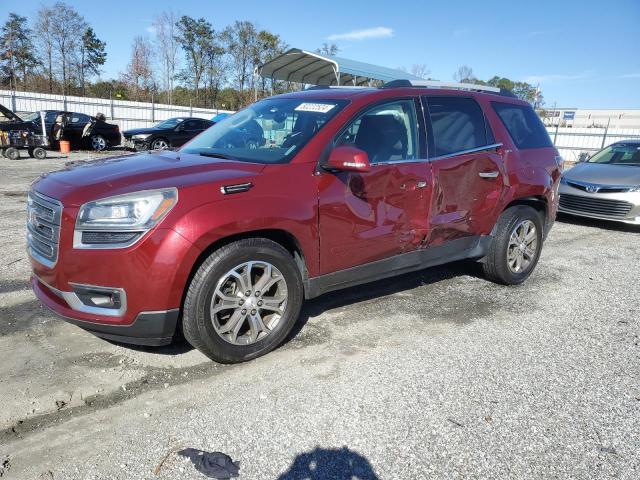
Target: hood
{"x":84,"y":181}
{"x":137,"y":131}
{"x":9,"y":114}
{"x":603,"y":174}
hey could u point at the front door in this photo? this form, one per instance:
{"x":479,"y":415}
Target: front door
{"x":468,"y":172}
{"x":185,"y":132}
{"x":370,"y":216}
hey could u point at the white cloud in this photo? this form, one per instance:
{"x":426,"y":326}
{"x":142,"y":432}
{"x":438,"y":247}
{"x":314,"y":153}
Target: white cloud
{"x":366,"y":34}
{"x":533,"y":79}
{"x":631,"y":75}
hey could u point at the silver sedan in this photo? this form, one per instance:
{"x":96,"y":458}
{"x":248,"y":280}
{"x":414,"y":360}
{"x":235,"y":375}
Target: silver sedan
{"x":605,"y":186}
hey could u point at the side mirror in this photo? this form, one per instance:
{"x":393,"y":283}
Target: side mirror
{"x":348,"y":159}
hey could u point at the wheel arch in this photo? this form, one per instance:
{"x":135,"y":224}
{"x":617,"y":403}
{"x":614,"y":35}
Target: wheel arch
{"x":538,"y":202}
{"x":282,"y":237}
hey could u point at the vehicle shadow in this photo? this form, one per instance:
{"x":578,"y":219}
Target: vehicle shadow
{"x":330,"y":463}
{"x":382,"y":288}
{"x":593,"y":222}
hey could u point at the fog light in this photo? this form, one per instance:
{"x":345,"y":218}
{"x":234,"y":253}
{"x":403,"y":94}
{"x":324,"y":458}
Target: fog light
{"x":99,"y":297}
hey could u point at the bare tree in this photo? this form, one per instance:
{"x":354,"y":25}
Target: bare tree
{"x":45,"y":41}
{"x":168,"y":48}
{"x":67,"y":28}
{"x":139,"y":74}
{"x":330,"y":49}
{"x":420,"y":70}
{"x":464,"y":74}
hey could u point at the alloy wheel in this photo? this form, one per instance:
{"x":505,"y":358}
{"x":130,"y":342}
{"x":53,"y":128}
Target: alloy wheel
{"x":98,"y":143}
{"x":522,"y":248}
{"x":248,"y":302}
{"x":160,"y":145}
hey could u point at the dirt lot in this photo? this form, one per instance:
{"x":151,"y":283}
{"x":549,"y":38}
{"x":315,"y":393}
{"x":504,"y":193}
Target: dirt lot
{"x":438,"y":374}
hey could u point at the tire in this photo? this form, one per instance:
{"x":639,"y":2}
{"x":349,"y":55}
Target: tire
{"x":501,"y":263}
{"x":98,"y":143}
{"x":12,"y":153}
{"x":39,"y":153}
{"x":160,"y":144}
{"x":208,"y":326}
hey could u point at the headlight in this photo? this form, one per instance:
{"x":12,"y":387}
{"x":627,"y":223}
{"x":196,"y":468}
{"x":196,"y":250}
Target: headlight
{"x":120,"y":221}
{"x":141,"y":136}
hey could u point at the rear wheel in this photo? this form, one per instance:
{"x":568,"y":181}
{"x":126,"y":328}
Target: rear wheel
{"x":98,"y":143}
{"x":516,"y":246}
{"x":40,"y":153}
{"x":243,"y":301}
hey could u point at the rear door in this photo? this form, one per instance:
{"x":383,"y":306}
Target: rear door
{"x":373,"y":215}
{"x":75,"y":127}
{"x":467,"y":170}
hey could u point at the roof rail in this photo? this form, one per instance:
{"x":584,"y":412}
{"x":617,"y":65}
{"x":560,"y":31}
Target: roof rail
{"x":453,"y":85}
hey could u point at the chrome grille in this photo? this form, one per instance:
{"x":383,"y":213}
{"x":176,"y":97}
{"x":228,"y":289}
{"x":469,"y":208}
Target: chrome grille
{"x":595,"y":206}
{"x":43,"y":227}
{"x":599,"y":188}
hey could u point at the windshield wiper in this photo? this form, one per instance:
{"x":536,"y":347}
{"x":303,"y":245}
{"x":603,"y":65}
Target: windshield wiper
{"x":216,"y":155}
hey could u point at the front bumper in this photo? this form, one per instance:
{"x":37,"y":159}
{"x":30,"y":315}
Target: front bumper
{"x":148,"y":328}
{"x":621,"y":207}
{"x":137,"y":145}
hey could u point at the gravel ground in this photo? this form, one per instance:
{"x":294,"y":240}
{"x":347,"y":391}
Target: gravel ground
{"x":438,"y":374}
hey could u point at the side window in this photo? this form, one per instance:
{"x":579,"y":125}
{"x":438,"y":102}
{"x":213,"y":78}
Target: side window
{"x":457,"y":123}
{"x":192,"y":125}
{"x":79,"y":118}
{"x":50,"y":117}
{"x":524,"y":125}
{"x":387,"y":132}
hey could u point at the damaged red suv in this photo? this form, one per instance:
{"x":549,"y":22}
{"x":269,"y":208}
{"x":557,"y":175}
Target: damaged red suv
{"x":225,"y":238}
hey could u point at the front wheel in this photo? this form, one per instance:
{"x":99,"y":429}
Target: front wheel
{"x":243,"y":301}
{"x":516,"y":246}
{"x":159,"y":144}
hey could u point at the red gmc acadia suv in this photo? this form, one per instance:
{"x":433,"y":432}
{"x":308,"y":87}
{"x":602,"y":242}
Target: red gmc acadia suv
{"x":224,"y":238}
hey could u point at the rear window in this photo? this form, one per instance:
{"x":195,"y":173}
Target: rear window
{"x":457,"y":123}
{"x":523,"y":124}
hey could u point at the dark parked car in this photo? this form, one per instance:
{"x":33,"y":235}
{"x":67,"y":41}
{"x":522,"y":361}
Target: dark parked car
{"x":170,"y":133}
{"x":83,"y":131}
{"x":354,"y":185}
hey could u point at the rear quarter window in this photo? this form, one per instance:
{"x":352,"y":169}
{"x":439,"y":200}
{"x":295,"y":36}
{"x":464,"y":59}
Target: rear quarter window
{"x":523,"y":124}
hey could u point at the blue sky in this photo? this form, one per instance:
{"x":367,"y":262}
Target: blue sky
{"x":583,"y":54}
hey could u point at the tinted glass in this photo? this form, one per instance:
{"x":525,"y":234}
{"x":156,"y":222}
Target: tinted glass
{"x":524,"y":125}
{"x":170,"y":123}
{"x":618,"y":154}
{"x":386,"y":132}
{"x":270,"y":131}
{"x":50,"y":117}
{"x":79,"y":118}
{"x":192,"y":125}
{"x":457,"y":123}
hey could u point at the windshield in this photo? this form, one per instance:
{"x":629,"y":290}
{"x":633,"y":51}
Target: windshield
{"x":620,"y":154}
{"x":270,"y":131}
{"x":170,"y":123}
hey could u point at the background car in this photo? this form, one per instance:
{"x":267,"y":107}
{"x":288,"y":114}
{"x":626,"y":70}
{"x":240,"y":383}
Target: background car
{"x":83,"y":131}
{"x":170,"y":133}
{"x":605,"y":186}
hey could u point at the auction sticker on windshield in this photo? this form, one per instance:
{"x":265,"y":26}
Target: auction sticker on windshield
{"x":314,"y":107}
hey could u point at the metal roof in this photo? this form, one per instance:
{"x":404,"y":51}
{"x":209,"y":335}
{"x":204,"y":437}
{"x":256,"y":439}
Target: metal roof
{"x":301,"y":66}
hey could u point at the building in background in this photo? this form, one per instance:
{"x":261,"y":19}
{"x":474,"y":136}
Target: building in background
{"x":590,"y":118}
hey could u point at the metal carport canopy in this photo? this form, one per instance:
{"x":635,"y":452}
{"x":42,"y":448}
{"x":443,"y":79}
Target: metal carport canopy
{"x":300,"y":66}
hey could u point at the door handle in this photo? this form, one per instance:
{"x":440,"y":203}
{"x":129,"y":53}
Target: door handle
{"x":413,"y":186}
{"x":421,"y":184}
{"x":493,"y":174}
